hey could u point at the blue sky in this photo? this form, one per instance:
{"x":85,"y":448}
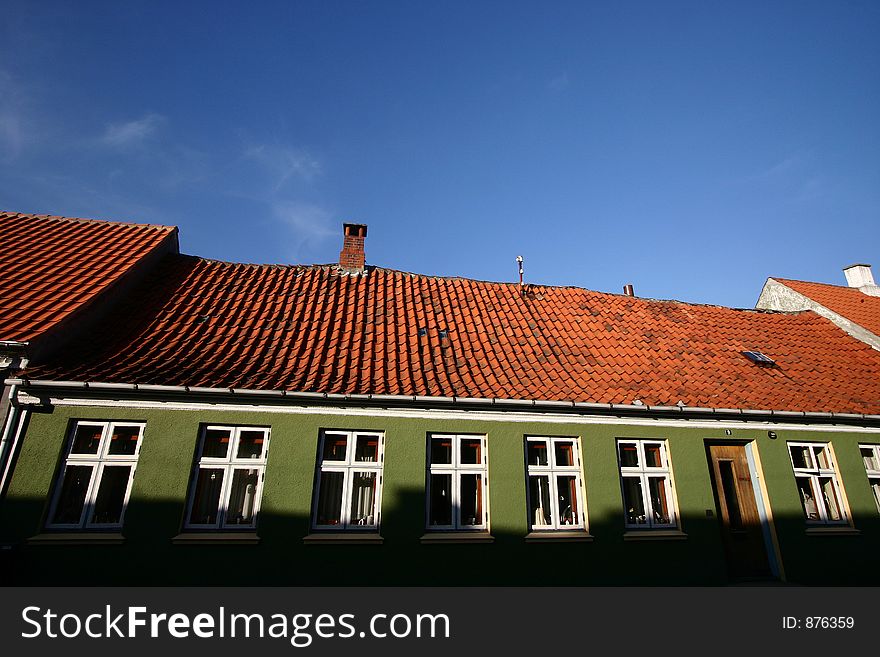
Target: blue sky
{"x":692,"y":149}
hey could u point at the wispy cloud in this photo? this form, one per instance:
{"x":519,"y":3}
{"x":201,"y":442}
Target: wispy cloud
{"x":130,"y":133}
{"x":309,"y":225}
{"x":183,"y":166}
{"x":129,"y":169}
{"x":12,"y":135}
{"x":16,"y":131}
{"x":73,"y":195}
{"x":795,"y":178}
{"x":285,"y":164}
{"x":559,"y":83}
{"x":778,"y":169}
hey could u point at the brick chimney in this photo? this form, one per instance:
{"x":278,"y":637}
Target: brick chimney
{"x":352,"y":255}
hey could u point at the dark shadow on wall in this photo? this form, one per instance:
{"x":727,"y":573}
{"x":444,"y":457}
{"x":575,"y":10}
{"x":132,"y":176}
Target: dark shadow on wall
{"x":281,"y":558}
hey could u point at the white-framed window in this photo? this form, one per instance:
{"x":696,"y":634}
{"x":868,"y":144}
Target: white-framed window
{"x":646,"y":483}
{"x":817,"y":483}
{"x":349,"y":489}
{"x":871,"y":458}
{"x":93,"y":488}
{"x":227,"y":481}
{"x":457,"y":482}
{"x":554,"y":483}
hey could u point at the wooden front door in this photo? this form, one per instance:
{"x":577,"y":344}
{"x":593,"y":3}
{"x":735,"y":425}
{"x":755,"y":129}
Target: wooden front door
{"x":741,"y":530}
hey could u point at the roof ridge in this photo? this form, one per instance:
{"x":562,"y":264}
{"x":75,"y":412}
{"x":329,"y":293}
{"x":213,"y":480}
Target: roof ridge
{"x":798,"y":280}
{"x":512,"y":284}
{"x":568,"y":287}
{"x":278,"y":265}
{"x":8,"y":214}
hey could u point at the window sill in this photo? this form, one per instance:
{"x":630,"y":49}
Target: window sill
{"x":77,"y":538}
{"x":216,"y":538}
{"x":343,"y":538}
{"x":832,"y":531}
{"x":456,"y":538}
{"x":562,"y":536}
{"x":659,"y":535}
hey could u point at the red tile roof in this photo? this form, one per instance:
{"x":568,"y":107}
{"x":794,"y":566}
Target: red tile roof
{"x":51,"y":267}
{"x":315,"y":328}
{"x":850,"y":302}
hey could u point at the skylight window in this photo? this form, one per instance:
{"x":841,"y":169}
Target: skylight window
{"x":758,"y":358}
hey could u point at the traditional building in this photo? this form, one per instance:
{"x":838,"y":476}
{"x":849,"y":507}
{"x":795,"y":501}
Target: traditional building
{"x":351,"y":424}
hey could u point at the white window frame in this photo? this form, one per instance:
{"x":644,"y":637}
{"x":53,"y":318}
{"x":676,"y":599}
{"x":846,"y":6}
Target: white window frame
{"x":349,"y":467}
{"x":815,"y":473}
{"x":98,"y":461}
{"x":551,"y":471}
{"x":873,"y":472}
{"x":457,"y":469}
{"x":644,"y":473}
{"x":228,"y":464}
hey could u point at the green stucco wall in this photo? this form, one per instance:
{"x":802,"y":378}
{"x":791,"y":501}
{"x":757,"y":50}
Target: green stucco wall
{"x":158,"y":497}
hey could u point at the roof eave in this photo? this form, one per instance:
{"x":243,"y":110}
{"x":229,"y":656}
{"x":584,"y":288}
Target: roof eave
{"x":496,"y":403}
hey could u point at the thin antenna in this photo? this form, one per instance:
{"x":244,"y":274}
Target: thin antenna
{"x":519,"y":260}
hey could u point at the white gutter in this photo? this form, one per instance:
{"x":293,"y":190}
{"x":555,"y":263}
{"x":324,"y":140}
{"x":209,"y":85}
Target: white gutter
{"x":745,"y":413}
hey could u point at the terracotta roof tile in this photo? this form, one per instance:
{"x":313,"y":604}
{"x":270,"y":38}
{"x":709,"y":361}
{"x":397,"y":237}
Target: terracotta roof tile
{"x":50,"y":267}
{"x":850,"y":302}
{"x":204,"y":323}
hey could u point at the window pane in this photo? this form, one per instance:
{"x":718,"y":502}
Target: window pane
{"x":565,"y":454}
{"x":566,"y":489}
{"x":471,"y":450}
{"x":539,"y":501}
{"x":537,"y":452}
{"x":629,"y":455}
{"x":808,"y":502}
{"x":875,"y":486}
{"x":206,"y":500}
{"x":800,"y":457}
{"x":363,"y":497}
{"x":441,"y":450}
{"x":633,"y":501}
{"x":74,"y":488}
{"x":330,"y":500}
{"x":242,"y":496}
{"x":86,"y":439}
{"x":870,"y":459}
{"x":657,"y":486}
{"x":111,"y":495}
{"x":335,"y":446}
{"x":829,"y":494}
{"x":216,"y":443}
{"x":367,"y":449}
{"x":441,"y":500}
{"x":823,"y":458}
{"x":123,"y":441}
{"x":471,"y":501}
{"x":653,"y":458}
{"x":250,"y":445}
